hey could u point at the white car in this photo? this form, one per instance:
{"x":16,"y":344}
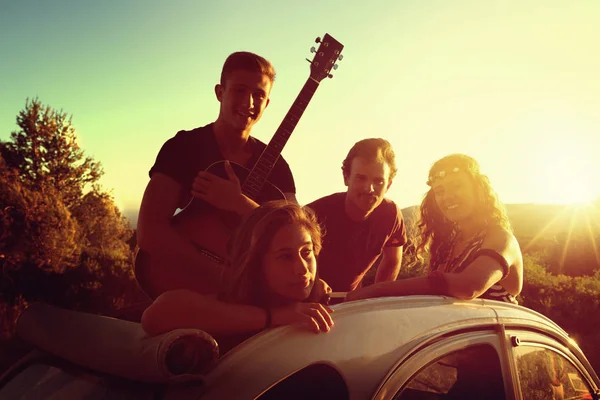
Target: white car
{"x":413,"y":347}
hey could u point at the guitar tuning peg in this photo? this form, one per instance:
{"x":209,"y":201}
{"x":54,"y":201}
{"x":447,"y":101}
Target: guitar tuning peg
{"x":335,"y":66}
{"x":313,"y":50}
{"x":310,"y":62}
{"x":341,"y":57}
{"x":330,"y":76}
{"x":318,"y":40}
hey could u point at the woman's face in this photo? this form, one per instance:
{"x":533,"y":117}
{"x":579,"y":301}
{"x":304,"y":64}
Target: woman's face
{"x":455,"y":196}
{"x":289,"y":264}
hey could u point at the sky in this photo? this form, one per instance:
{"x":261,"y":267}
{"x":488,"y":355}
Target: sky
{"x":513,"y":83}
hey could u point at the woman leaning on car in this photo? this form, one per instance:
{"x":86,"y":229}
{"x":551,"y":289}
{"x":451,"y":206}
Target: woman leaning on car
{"x":273,"y":281}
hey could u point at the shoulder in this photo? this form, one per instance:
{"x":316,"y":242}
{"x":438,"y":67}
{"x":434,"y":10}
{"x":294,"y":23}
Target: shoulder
{"x":202,"y":133}
{"x":332,"y":200}
{"x":500,"y":239}
{"x":496,"y":234}
{"x":388,"y":208}
{"x":188,"y":140}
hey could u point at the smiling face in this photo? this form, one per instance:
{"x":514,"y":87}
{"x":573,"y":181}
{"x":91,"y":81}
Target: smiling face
{"x":289,"y":265}
{"x":243,"y":98}
{"x":455,"y":196}
{"x":367,"y":182}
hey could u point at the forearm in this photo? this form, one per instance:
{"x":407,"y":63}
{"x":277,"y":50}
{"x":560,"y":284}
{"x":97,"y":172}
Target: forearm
{"x":245,"y":205}
{"x":403,"y":287}
{"x":230,"y":319}
{"x":466,"y":288}
{"x":186,"y":309}
{"x":164,"y":242}
{"x":387,"y":272}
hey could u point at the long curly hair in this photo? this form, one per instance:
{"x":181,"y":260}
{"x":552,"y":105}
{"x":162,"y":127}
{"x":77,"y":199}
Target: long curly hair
{"x":434,"y":229}
{"x":246,"y":282}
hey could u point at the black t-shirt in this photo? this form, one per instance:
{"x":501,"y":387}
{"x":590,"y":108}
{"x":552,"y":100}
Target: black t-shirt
{"x":190,"y":152}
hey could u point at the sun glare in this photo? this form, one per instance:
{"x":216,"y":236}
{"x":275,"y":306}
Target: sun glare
{"x":562,"y":172}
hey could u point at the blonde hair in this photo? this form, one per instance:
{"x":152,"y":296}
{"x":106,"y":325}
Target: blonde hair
{"x":434,"y":229}
{"x":251,"y":241}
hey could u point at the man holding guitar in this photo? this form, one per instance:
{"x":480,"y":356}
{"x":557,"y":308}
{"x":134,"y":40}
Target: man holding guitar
{"x":361,"y":225}
{"x":217,"y":174}
{"x":167,"y":258}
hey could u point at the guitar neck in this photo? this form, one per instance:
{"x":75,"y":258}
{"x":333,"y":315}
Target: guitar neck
{"x":261,"y":170}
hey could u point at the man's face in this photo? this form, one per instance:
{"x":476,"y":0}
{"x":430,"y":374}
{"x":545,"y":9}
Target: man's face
{"x":243,"y":98}
{"x":368,"y":182}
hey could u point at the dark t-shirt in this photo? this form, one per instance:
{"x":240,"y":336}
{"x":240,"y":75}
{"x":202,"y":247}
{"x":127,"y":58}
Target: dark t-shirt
{"x":350,"y":248}
{"x":190,"y":152}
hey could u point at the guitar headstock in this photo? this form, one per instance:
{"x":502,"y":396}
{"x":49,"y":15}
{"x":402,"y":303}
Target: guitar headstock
{"x":329,"y":51}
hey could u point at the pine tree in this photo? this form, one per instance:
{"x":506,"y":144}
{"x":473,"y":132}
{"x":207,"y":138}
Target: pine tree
{"x":45,"y":152}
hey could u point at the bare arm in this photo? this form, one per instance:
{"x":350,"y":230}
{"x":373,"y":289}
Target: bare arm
{"x":161,"y":199}
{"x":486,"y":271}
{"x":389,"y":267}
{"x":155,"y":234}
{"x":187,"y":309}
{"x":471,"y":283}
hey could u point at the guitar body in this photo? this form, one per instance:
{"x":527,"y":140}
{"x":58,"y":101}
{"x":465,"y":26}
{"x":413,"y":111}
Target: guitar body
{"x":208,"y":228}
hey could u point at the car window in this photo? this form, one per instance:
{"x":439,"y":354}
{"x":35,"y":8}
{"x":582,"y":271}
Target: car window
{"x":546,"y":374}
{"x":45,"y":381}
{"x":470,"y":373}
{"x":317,"y":381}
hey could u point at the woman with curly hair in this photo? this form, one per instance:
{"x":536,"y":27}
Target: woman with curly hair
{"x":272,"y":281}
{"x":463,"y":226}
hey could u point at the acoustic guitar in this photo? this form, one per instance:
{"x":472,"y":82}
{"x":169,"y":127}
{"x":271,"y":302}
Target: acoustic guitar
{"x":209,"y":228}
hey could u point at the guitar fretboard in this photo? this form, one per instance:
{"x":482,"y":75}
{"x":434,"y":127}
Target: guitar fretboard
{"x":263,"y":167}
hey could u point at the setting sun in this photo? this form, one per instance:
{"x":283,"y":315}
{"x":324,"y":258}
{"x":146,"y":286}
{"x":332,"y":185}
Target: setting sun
{"x":561,"y":171}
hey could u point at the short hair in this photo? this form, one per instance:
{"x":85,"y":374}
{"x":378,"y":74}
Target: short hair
{"x":251,"y":240}
{"x":246,"y":61}
{"x":375,"y":149}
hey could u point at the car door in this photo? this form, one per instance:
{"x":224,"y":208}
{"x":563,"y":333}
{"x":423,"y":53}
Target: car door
{"x":467,"y":365}
{"x":50,"y":378}
{"x":548,"y":369}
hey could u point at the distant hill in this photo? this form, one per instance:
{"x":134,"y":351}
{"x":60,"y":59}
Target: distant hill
{"x":528,"y":220}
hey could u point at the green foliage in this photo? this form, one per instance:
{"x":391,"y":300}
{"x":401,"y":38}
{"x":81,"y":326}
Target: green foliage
{"x":571,"y":302}
{"x":37,"y":228}
{"x":62,"y":239}
{"x":45,"y":152}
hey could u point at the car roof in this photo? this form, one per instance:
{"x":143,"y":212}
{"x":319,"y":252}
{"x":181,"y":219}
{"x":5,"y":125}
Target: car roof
{"x":368,"y":338}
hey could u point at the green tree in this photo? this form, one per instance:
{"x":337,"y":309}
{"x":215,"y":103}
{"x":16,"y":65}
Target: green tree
{"x":37,"y":229}
{"x":45,"y":152}
{"x":62,"y":238}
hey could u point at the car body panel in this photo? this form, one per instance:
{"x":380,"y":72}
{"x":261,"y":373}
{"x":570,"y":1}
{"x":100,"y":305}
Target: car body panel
{"x":375,"y":344}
